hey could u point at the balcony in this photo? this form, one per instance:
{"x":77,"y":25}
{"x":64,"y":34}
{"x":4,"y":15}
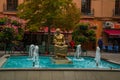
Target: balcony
{"x":9,"y":10}
{"x":116,"y":14}
{"x":88,"y":14}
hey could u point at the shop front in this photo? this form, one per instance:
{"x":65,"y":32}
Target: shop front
{"x":112,"y":42}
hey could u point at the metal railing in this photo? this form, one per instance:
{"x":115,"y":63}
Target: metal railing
{"x":86,"y":13}
{"x":6,"y":9}
{"x":116,"y":13}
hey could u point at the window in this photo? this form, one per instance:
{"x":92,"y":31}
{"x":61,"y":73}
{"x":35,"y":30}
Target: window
{"x":12,"y":5}
{"x":86,"y":7}
{"x":117,"y":7}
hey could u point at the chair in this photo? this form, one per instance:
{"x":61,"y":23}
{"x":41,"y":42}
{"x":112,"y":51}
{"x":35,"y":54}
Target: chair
{"x":116,"y":48}
{"x":110,"y":48}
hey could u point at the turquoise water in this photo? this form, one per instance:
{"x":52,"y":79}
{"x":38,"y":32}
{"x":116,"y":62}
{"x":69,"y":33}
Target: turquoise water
{"x":46,"y":62}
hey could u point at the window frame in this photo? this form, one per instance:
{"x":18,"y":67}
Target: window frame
{"x":86,"y":7}
{"x":117,"y":7}
{"x":12,"y":5}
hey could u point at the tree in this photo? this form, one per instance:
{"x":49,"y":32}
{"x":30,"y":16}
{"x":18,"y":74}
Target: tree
{"x":7,"y":36}
{"x":84,"y":35}
{"x":50,"y":13}
{"x":11,"y":30}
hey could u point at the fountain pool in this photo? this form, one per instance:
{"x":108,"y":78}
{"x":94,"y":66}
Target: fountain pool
{"x":46,"y":62}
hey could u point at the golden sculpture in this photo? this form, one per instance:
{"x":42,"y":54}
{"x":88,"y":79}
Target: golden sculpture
{"x":60,"y":48}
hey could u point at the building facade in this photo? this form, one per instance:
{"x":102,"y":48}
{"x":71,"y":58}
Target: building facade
{"x":96,"y":8}
{"x":104,"y":14}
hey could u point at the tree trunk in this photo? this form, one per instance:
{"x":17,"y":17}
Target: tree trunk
{"x":49,"y":39}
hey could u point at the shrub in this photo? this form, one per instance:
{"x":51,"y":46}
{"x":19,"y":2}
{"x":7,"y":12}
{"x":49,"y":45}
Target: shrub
{"x":15,"y":23}
{"x":3,"y":21}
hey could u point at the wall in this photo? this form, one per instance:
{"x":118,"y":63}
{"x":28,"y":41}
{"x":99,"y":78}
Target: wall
{"x":2,"y":3}
{"x":20,"y":1}
{"x":102,"y":8}
{"x":96,"y":5}
{"x":108,"y":7}
{"x":58,"y":74}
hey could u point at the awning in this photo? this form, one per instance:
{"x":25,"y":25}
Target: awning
{"x":114,"y":32}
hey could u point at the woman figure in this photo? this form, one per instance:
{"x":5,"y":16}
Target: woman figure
{"x":60,"y":48}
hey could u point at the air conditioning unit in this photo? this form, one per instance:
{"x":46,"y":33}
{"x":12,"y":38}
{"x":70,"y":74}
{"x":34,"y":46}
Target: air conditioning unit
{"x":108,"y":24}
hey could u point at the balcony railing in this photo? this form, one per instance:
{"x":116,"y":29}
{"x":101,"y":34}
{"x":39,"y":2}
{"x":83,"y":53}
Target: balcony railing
{"x":9,"y":9}
{"x":86,"y":13}
{"x":116,"y":13}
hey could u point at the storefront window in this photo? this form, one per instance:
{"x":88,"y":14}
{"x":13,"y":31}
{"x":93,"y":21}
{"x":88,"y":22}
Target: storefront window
{"x":117,"y":7}
{"x":86,"y":7}
{"x":12,"y":5}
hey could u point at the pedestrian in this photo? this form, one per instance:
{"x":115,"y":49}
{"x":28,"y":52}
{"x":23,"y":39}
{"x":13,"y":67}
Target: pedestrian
{"x":72,"y":44}
{"x":100,"y":43}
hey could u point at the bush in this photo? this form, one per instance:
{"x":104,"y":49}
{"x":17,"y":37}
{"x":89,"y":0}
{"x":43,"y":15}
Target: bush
{"x":92,"y":38}
{"x":3,"y":21}
{"x":82,"y":26}
{"x":83,"y":34}
{"x":91,"y":33}
{"x":82,"y":39}
{"x":15,"y":23}
{"x":8,"y":34}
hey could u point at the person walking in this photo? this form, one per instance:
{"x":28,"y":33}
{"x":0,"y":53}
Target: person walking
{"x":100,"y":43}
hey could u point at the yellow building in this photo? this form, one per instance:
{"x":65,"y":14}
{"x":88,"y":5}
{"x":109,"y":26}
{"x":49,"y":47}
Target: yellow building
{"x":105,"y":14}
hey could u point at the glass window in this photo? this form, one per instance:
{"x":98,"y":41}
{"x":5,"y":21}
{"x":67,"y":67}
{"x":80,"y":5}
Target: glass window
{"x":117,"y":7}
{"x":12,"y":5}
{"x":86,"y":7}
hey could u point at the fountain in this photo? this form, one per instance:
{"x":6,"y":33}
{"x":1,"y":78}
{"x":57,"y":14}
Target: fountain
{"x":97,"y":56}
{"x":67,"y":62}
{"x":78,"y":53}
{"x":36,"y":56}
{"x":60,"y":49}
{"x":31,"y":50}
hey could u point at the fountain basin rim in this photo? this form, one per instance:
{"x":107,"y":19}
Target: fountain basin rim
{"x":62,"y":69}
{"x":58,"y":69}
